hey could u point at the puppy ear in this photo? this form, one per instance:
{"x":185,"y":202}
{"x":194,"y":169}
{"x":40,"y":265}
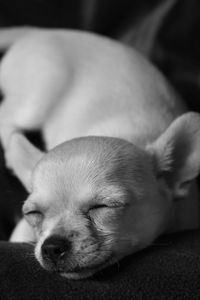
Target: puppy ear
{"x":21,"y":157}
{"x":176,"y":153}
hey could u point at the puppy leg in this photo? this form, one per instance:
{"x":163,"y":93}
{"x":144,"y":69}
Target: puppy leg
{"x":23,"y":233}
{"x":21,"y":157}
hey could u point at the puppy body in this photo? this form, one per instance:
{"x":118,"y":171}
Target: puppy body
{"x":118,"y":161}
{"x":76,"y":69}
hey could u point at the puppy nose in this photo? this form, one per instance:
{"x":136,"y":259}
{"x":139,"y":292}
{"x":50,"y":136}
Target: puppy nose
{"x":55,"y":247}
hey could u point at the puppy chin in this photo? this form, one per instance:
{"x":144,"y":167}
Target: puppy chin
{"x":79,"y":275}
{"x":75,"y":274}
{"x":86,"y":272}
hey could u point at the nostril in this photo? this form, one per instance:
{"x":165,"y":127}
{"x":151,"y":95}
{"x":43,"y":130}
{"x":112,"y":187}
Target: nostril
{"x":55,"y":247}
{"x":52,"y":250}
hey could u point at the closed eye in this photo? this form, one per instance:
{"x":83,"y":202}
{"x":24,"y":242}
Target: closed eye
{"x":33,"y":217}
{"x":111,"y":204}
{"x":101,"y":210}
{"x":97,"y":206}
{"x":95,"y":210}
{"x":32,"y":212}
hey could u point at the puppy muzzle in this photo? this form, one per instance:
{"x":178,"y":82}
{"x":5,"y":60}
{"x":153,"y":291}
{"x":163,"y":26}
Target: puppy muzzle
{"x":54,"y":251}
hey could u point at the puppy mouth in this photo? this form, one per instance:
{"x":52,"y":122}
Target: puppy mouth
{"x":86,"y":271}
{"x":76,"y":272}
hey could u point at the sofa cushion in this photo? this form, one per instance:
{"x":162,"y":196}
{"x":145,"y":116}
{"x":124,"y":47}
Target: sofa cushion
{"x":169,"y":269}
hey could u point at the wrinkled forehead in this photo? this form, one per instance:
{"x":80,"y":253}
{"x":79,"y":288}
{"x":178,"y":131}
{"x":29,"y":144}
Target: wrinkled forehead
{"x":73,"y":189}
{"x":78,"y":177}
{"x":85,"y":164}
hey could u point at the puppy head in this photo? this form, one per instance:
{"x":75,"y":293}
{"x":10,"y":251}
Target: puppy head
{"x":87,"y":204}
{"x":95,"y":200}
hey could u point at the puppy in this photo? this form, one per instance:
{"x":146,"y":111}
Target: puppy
{"x":122,"y":151}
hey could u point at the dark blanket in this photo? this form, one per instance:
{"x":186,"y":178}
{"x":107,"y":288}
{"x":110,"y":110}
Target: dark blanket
{"x":170,"y":269}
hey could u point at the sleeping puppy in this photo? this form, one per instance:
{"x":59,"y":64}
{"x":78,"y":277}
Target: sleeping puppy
{"x":122,"y":152}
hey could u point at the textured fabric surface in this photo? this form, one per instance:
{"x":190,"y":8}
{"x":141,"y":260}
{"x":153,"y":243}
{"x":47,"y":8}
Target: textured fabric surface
{"x":170,"y":269}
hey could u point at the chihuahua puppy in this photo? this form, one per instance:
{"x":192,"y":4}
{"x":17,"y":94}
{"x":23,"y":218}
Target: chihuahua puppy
{"x":122,"y":153}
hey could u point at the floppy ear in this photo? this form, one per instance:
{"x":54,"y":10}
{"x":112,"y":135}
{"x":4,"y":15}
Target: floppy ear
{"x":21,"y":157}
{"x":176,"y":153}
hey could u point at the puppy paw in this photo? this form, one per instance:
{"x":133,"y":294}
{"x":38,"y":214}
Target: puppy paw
{"x":21,"y":157}
{"x":23,"y":233}
{"x":10,"y":145}
{"x":6,"y":132}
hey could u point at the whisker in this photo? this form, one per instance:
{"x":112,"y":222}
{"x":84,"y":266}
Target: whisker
{"x":31,"y":243}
